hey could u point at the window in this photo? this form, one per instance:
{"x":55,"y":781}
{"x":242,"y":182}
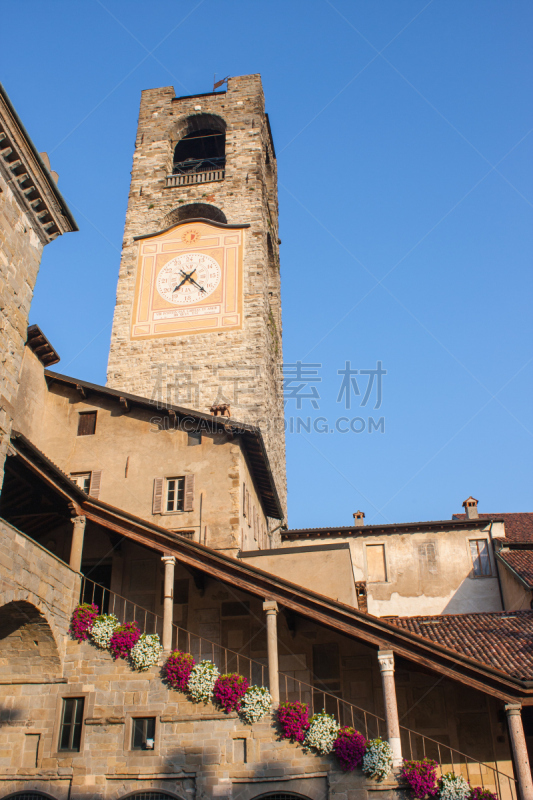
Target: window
{"x":326,"y":666}
{"x":82,"y":479}
{"x":427,"y":557}
{"x":172,"y":495}
{"x":71,"y":721}
{"x":175,"y":494}
{"x":244,"y":499}
{"x":142,"y":733}
{"x":194,"y":438}
{"x":375,"y":563}
{"x":86,"y":423}
{"x":479,"y":550}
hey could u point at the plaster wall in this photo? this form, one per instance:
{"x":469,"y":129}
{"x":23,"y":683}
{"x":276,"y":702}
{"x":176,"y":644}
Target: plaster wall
{"x":426,"y":573}
{"x":323,"y":569}
{"x":242,"y":367}
{"x":515,"y":595}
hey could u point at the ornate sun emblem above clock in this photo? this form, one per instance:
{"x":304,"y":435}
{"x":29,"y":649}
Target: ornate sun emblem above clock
{"x":190,"y":236}
{"x":188,"y":278}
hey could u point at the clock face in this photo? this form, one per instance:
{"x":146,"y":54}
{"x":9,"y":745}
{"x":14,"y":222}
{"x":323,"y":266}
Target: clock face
{"x":188,"y":278}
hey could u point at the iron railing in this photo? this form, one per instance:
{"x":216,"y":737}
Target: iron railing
{"x":415,"y":745}
{"x":199,"y":165}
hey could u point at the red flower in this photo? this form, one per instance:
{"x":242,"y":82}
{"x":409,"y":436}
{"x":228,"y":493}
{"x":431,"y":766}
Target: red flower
{"x":82,"y":620}
{"x":293,"y":719}
{"x":177,"y":669}
{"x":229,"y":691}
{"x":349,"y":747}
{"x":124,"y":639}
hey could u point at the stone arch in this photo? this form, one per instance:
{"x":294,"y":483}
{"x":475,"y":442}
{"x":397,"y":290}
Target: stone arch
{"x":200,"y":145}
{"x":151,"y":794}
{"x":29,"y":794}
{"x":281,"y":796}
{"x":194,"y":211}
{"x":27,"y":644}
{"x":196,"y":122}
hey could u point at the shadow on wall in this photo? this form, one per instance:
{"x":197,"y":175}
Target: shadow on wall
{"x":475,"y":594}
{"x":27,"y":645}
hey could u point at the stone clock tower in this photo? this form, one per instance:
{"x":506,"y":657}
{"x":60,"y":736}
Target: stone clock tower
{"x":198,"y":314}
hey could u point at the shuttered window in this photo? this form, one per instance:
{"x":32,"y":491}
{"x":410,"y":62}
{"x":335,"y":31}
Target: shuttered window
{"x":96,"y":480}
{"x":86,"y":423}
{"x":375,"y":563}
{"x":173,"y":494}
{"x":479,"y":550}
{"x":82,"y":479}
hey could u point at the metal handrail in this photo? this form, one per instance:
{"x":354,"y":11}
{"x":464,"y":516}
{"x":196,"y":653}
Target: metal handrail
{"x":295,"y":690}
{"x":198,"y":165}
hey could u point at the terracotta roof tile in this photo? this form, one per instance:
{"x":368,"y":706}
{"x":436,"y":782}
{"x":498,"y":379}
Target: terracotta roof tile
{"x":502,"y":640}
{"x":518,"y":527}
{"x":521,"y":561}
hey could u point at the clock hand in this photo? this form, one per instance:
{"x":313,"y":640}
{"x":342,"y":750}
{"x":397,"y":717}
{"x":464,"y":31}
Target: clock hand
{"x":186,"y":278}
{"x":197,"y":284}
{"x":175,"y":289}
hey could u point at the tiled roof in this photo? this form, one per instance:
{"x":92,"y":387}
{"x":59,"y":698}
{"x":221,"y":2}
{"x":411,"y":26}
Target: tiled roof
{"x":521,"y":561}
{"x":518,"y":527}
{"x":502,"y":640}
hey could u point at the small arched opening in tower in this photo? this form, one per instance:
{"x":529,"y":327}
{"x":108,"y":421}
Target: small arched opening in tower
{"x":203,"y":145}
{"x":194,"y":211}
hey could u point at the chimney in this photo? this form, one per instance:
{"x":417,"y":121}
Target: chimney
{"x":358,"y":519}
{"x":470,"y":506}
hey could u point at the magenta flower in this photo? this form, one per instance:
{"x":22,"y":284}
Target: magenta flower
{"x":124,"y":639}
{"x":293,"y":719}
{"x":421,"y":777}
{"x":82,"y":620}
{"x":349,"y":747}
{"x":177,"y":669}
{"x":229,"y":691}
{"x":482,"y":794}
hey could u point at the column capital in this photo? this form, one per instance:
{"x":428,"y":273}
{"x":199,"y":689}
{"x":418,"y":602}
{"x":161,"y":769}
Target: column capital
{"x":513,"y":708}
{"x":270,"y":606}
{"x":78,"y":520}
{"x":386,"y":661}
{"x":168,"y":559}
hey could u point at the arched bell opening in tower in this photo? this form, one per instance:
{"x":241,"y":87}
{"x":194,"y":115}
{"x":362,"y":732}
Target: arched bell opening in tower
{"x":202,"y":147}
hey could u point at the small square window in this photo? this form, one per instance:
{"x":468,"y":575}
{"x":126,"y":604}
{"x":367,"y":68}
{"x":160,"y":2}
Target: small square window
{"x":194,"y":438}
{"x":142,"y":733}
{"x":82,"y":479}
{"x":175,"y":494}
{"x":479,"y":550}
{"x":376,"y":564}
{"x":71,"y":721}
{"x":86,"y":423}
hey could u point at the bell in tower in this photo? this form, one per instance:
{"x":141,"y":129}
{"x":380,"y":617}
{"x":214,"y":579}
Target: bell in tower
{"x":197,"y":319}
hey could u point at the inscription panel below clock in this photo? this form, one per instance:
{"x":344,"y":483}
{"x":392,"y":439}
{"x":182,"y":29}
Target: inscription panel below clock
{"x":189,"y":280}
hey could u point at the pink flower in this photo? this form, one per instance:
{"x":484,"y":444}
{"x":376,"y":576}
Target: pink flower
{"x":482,"y":794}
{"x":421,"y":777}
{"x":349,"y":747}
{"x":82,"y":620}
{"x":293,"y":719}
{"x":229,"y":691}
{"x":177,"y":669}
{"x":124,"y":639}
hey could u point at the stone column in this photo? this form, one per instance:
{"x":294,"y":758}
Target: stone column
{"x":168,"y":601}
{"x":271,"y":608}
{"x":386,"y":666}
{"x":76,"y":548}
{"x":518,"y":743}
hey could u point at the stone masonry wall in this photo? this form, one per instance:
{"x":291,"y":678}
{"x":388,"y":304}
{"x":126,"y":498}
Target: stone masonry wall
{"x":199,"y":752}
{"x":248,"y":194}
{"x":20,"y":256}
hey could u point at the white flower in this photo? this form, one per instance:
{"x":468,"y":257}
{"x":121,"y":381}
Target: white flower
{"x":255,"y":704}
{"x":322,"y":732}
{"x":453,"y":787}
{"x":103,"y":629}
{"x":146,"y":652}
{"x":377,"y":761}
{"x":202,"y":681}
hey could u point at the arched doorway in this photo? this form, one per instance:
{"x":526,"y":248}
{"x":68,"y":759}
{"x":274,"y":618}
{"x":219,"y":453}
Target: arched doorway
{"x":29,"y":795}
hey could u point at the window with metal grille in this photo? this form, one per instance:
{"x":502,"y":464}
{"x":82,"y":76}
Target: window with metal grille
{"x":280,"y":796}
{"x":479,"y":550}
{"x":175,"y":494}
{"x":82,"y":479}
{"x":150,"y":796}
{"x":86,"y":423}
{"x":71,"y":722}
{"x":28,"y":796}
{"x":142,"y":733}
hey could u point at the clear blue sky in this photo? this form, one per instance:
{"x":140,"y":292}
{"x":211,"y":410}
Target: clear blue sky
{"x":404,"y":140}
